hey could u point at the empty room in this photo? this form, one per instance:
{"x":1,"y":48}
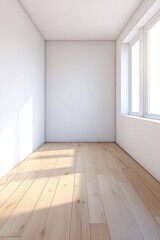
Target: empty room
{"x":79,"y":120}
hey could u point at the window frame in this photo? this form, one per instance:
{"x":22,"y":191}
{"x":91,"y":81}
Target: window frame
{"x":131,"y":44}
{"x":147,"y":27}
{"x":142,"y":37}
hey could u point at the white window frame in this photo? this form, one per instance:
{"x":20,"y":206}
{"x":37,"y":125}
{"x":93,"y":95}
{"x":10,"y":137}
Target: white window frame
{"x":142,"y":37}
{"x":148,"y":26}
{"x":131,"y":44}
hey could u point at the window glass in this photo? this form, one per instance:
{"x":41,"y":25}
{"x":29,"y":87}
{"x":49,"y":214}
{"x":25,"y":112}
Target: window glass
{"x":135,"y":77}
{"x":154,"y":69}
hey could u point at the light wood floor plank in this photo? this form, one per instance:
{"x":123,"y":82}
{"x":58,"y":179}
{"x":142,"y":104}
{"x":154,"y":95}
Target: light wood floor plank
{"x":144,"y":192}
{"x":146,"y":223}
{"x":57,"y":225}
{"x":99,"y":232}
{"x":119,"y":161}
{"x":9,"y":206}
{"x":96,"y":210}
{"x":10,"y":238}
{"x":128,"y":161}
{"x":158,"y":220}
{"x":10,"y":176}
{"x":80,"y":163}
{"x":49,"y":152}
{"x":34,"y":228}
{"x":17,"y":221}
{"x":6,"y":192}
{"x":111,"y":163}
{"x":122,"y":225}
{"x":109,"y":147}
{"x":65,"y":166}
{"x":37,"y":200}
{"x":90,"y":170}
{"x":115,"y":169}
{"x":80,"y":216}
{"x":119,"y":156}
{"x":150,"y":182}
{"x":98,"y":159}
{"x":66,"y":160}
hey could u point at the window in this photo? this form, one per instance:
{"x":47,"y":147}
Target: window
{"x":153,"y":68}
{"x":144,"y":57}
{"x":134,"y":71}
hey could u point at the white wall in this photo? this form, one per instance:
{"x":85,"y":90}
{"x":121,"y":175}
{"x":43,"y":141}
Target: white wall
{"x":80,"y":91}
{"x":21,"y":86}
{"x":139,"y":137}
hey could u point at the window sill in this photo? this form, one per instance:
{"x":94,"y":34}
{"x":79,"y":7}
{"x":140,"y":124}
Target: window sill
{"x":142,"y":118}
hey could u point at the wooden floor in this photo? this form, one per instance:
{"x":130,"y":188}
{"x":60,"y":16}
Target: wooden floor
{"x":79,"y":191}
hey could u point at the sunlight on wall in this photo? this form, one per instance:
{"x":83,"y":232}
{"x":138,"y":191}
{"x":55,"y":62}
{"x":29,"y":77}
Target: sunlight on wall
{"x":26,"y":129}
{"x":9,"y":156}
{"x":6,"y":143}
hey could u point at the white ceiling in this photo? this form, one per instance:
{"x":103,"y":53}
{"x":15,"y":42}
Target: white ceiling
{"x":80,"y":19}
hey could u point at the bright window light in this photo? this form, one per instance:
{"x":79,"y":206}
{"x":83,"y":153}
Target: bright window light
{"x":154,"y":69}
{"x":135,"y":77}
